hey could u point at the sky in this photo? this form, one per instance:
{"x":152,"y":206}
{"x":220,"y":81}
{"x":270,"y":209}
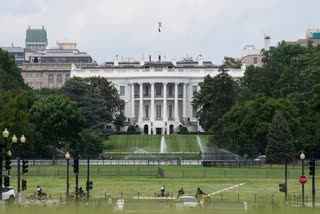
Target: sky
{"x":129,"y":28}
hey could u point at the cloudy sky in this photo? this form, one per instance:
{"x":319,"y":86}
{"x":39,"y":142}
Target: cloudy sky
{"x":129,"y":28}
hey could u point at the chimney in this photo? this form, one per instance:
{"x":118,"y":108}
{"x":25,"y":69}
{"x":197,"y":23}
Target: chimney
{"x":159,"y":58}
{"x":149,"y":58}
{"x":142,"y":61}
{"x":200,"y":60}
{"x":116,"y":61}
{"x":267,"y":42}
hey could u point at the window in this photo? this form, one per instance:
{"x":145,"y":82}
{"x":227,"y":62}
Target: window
{"x":59,"y":78}
{"x":122,"y":90}
{"x":158,"y":111}
{"x":255,"y":60}
{"x":136,"y":109}
{"x":194,"y":111}
{"x":170,"y":90}
{"x":30,"y":84}
{"x":180,"y":108}
{"x":146,"y":90}
{"x":38,"y":76}
{"x":194,"y":88}
{"x":158,"y":90}
{"x":136,"y":90}
{"x":180,"y":90}
{"x":147,"y":111}
{"x":170,"y":111}
{"x":29,"y":76}
{"x":50,"y":78}
{"x":122,"y":108}
{"x":67,"y":77}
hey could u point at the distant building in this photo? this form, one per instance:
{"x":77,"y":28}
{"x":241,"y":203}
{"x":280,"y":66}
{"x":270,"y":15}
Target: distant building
{"x":51,"y":68}
{"x":17,"y":52}
{"x":157,"y":94}
{"x":36,"y":40}
{"x":312,"y":35}
{"x":252,"y":56}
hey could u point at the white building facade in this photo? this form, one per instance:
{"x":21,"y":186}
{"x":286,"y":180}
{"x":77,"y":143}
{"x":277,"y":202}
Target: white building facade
{"x":157,"y":94}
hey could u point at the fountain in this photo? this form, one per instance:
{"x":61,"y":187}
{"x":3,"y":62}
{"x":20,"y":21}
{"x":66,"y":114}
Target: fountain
{"x":214,"y":153}
{"x":140,"y":154}
{"x":163,"y":145}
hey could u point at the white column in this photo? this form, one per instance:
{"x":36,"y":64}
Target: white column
{"x":152,"y":102}
{"x":165,"y":117}
{"x":176,"y":115}
{"x":132,"y":101}
{"x":184,"y":104}
{"x":141,"y":103}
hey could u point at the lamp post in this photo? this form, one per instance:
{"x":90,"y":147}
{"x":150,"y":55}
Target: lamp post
{"x":5,"y":135}
{"x":15,"y":141}
{"x":302,"y":157}
{"x":67,"y":156}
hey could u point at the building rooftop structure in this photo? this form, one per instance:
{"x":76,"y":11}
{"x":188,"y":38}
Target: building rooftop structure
{"x":36,"y":39}
{"x":252,"y":56}
{"x":312,"y":35}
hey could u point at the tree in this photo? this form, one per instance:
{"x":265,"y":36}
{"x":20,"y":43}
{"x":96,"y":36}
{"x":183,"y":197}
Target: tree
{"x":58,"y":120}
{"x":11,"y":78}
{"x":246,"y":124}
{"x":232,"y":62}
{"x":90,"y":144}
{"x":215,"y":98}
{"x":92,"y":105}
{"x":280,"y":146}
{"x":104,"y":88}
{"x":119,"y":121}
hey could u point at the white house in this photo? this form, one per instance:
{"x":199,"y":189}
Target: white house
{"x":157,"y":94}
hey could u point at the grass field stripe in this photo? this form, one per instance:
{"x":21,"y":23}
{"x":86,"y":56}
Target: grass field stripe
{"x":225,"y":189}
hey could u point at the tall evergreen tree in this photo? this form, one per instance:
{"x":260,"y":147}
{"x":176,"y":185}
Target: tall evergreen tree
{"x":280,"y":146}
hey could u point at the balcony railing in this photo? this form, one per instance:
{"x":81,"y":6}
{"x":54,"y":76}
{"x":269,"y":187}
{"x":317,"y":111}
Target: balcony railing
{"x":145,"y":118}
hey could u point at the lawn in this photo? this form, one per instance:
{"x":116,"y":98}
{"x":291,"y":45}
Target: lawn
{"x":151,"y":143}
{"x":261,"y":184}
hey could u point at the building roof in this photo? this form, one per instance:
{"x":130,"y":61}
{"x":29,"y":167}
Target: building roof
{"x":36,"y":35}
{"x":13,"y":49}
{"x":59,"y":53}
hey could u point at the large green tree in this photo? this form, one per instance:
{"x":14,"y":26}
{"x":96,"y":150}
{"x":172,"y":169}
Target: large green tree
{"x":246,"y":124}
{"x":215,"y":98}
{"x":10,"y":74}
{"x":96,"y":108}
{"x":280,"y":146}
{"x":58,"y":120}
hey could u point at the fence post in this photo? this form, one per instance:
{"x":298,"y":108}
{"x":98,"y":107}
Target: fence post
{"x":221,"y":197}
{"x":138,"y":195}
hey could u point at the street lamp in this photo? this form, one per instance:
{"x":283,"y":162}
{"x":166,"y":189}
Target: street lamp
{"x":15,"y":141}
{"x":5,"y":135}
{"x":302,"y":157}
{"x":67,"y":156}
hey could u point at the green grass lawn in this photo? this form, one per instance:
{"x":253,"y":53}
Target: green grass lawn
{"x":151,"y":143}
{"x":261,"y":184}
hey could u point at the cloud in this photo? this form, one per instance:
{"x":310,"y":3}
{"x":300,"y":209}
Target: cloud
{"x":104,"y":28}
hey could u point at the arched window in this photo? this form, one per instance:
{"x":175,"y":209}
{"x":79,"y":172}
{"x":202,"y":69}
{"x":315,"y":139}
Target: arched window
{"x":50,"y":78}
{"x":59,"y":78}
